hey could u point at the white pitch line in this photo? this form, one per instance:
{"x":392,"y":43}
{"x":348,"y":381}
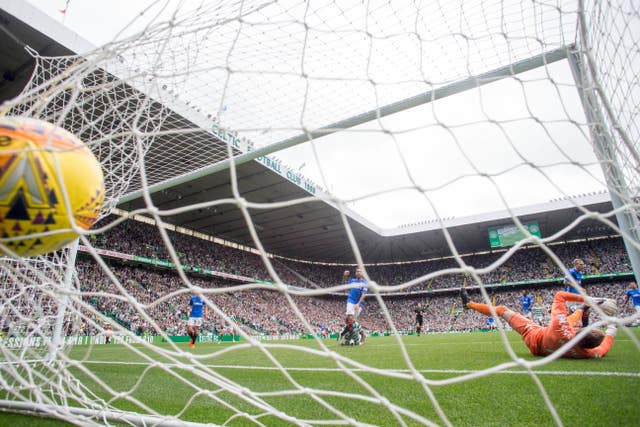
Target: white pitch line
{"x":431,"y":371}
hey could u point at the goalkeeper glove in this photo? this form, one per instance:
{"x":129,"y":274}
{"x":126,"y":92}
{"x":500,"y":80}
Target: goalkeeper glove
{"x":611,"y":330}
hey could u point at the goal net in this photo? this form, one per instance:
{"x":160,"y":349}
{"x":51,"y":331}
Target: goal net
{"x":402,"y":117}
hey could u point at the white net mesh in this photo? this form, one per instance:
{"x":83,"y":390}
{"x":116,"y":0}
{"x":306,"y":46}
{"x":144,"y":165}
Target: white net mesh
{"x":190,"y":95}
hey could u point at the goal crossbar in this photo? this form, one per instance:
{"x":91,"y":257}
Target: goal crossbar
{"x":396,"y":107}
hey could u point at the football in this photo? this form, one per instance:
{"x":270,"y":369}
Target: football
{"x":49,"y":181}
{"x":608,"y":306}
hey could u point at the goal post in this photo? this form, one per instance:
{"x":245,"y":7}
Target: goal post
{"x":604,"y":146}
{"x":57,"y":335}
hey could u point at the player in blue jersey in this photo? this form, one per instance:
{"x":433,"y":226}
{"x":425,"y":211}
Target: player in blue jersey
{"x":197,"y":311}
{"x":490,"y":324}
{"x":633,"y":294}
{"x":357,"y":293}
{"x":576,"y":274}
{"x":526,"y":302}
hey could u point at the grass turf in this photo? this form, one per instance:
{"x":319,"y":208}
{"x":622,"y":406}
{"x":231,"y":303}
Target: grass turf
{"x":235,"y":384}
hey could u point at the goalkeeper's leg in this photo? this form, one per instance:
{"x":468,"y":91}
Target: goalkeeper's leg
{"x":482,"y":308}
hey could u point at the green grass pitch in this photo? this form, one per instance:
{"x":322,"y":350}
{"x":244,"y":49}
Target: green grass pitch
{"x":313,"y":386}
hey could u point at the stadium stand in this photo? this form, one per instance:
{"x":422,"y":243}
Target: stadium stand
{"x":262,"y":311}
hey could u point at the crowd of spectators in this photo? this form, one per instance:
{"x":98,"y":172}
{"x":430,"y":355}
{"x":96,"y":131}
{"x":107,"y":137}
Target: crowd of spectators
{"x":137,"y":238}
{"x":149,"y":299}
{"x":153,"y":300}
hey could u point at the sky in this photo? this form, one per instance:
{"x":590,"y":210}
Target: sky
{"x":114,"y":16}
{"x":446,"y":161}
{"x":515,"y":142}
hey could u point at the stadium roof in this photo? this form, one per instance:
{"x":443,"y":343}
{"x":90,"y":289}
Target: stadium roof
{"x":311,"y":230}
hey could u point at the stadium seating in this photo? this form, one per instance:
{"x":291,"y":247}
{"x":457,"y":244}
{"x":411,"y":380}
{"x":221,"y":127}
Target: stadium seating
{"x":264,"y":311}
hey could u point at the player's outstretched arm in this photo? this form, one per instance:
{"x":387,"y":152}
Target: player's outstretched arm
{"x":604,"y":348}
{"x":345,"y":276}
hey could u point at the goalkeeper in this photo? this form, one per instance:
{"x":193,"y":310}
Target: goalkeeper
{"x":352,"y":333}
{"x":542,"y":341}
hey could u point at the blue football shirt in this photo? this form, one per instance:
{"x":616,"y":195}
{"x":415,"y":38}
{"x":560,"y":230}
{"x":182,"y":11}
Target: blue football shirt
{"x":577,"y":277}
{"x":634,"y":294}
{"x":359,"y":287}
{"x":197,"y":305}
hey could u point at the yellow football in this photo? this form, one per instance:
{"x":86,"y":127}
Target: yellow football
{"x":39,"y":164}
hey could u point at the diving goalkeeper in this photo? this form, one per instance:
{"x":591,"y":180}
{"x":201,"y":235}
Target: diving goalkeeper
{"x":543,"y":341}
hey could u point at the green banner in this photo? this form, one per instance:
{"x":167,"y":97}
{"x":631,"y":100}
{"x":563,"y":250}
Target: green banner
{"x":507,"y":235}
